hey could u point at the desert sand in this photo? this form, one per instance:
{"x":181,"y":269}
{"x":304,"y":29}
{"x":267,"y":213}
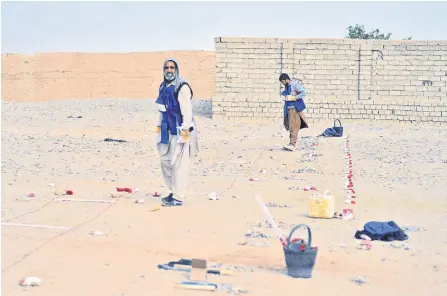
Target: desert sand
{"x":399,"y":175}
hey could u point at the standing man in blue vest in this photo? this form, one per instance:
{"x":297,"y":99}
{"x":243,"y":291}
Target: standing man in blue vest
{"x":294,"y":118}
{"x":176,"y":132}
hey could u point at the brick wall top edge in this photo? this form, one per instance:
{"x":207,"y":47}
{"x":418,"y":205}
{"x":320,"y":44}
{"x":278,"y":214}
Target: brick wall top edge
{"x":310,"y":40}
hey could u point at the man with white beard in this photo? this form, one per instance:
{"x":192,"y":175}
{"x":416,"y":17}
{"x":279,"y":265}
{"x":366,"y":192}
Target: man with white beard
{"x":176,"y":132}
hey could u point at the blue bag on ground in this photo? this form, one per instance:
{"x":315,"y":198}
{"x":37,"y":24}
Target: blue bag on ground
{"x":330,"y":132}
{"x":384,"y":231}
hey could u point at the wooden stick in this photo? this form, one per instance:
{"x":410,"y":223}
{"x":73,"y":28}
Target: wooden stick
{"x":270,"y":219}
{"x":34,"y":226}
{"x":204,"y":286}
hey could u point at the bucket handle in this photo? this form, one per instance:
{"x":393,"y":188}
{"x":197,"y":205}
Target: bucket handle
{"x":338,"y":122}
{"x":309,"y":233}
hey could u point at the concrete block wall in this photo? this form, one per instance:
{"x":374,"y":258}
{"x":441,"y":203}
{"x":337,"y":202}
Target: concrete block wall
{"x":344,"y":78}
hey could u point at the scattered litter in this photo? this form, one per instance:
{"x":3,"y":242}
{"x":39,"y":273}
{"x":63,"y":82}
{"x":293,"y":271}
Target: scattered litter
{"x":155,"y":194}
{"x":114,"y":140}
{"x":257,"y":234}
{"x":306,"y":170}
{"x":51,"y":185}
{"x":359,"y":280}
{"x":31,"y":194}
{"x":128,"y":190}
{"x":119,"y":194}
{"x":365,"y":237}
{"x":263,"y":171}
{"x":294,"y":188}
{"x":30,"y":282}
{"x":275,"y":205}
{"x":198,"y":285}
{"x":240,"y":268}
{"x":155,"y":208}
{"x":265,"y":224}
{"x":365,"y":245}
{"x":254,"y":179}
{"x":234,"y":291}
{"x":68,"y":192}
{"x":413,"y":229}
{"x":139,"y":201}
{"x":310,"y":188}
{"x":97,"y":233}
{"x":343,"y":245}
{"x":137,"y":189}
{"x":213,"y":196}
{"x":75,"y":116}
{"x":346,"y":214}
{"x":59,"y":191}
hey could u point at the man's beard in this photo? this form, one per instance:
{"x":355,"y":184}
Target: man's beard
{"x":169,"y":76}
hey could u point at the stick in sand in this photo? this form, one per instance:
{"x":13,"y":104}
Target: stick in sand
{"x":270,"y":220}
{"x":34,"y":226}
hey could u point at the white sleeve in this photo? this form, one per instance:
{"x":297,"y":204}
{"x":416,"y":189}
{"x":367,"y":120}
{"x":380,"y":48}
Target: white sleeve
{"x":184,"y":99}
{"x":160,"y":118}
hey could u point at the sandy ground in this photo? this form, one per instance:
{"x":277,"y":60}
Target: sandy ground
{"x":400,"y":174}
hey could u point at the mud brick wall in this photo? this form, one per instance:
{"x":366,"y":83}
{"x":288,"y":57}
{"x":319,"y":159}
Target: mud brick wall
{"x":58,"y":76}
{"x":345,"y":78}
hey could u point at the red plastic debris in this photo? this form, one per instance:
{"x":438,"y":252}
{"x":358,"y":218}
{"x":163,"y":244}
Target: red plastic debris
{"x":69,"y":192}
{"x":128,"y":190}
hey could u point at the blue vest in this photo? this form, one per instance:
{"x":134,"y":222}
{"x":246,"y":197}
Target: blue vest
{"x":298,"y":104}
{"x":173,"y":116}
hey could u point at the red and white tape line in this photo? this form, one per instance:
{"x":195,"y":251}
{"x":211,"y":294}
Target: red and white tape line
{"x":349,"y":185}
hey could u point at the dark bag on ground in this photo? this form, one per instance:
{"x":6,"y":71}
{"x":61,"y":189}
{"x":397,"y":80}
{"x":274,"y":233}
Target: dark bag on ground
{"x":330,"y":132}
{"x":384,"y":231}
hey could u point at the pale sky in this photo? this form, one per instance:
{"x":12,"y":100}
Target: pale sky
{"x":28,"y":27}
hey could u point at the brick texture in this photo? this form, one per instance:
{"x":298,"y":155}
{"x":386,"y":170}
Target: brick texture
{"x":347,"y":79}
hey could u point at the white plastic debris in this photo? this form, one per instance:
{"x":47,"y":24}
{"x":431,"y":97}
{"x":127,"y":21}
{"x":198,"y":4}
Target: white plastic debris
{"x":97,"y":233}
{"x":213,"y":196}
{"x":30,"y":282}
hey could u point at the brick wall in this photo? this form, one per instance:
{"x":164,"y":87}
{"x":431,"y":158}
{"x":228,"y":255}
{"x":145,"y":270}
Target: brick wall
{"x":348,"y":79}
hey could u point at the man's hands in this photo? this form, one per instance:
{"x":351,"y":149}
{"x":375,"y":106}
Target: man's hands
{"x":290,"y":98}
{"x":185,"y":135}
